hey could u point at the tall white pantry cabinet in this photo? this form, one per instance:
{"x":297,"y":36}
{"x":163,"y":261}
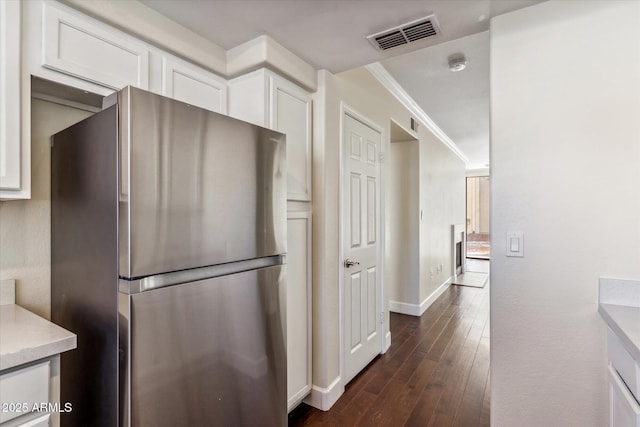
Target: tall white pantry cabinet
{"x":264,"y":98}
{"x":52,"y":41}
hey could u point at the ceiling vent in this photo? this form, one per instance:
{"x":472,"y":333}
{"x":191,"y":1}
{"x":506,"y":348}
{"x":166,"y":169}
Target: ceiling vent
{"x":405,"y":33}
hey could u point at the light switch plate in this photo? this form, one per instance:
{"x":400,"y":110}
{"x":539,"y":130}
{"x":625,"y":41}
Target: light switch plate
{"x":515,"y":244}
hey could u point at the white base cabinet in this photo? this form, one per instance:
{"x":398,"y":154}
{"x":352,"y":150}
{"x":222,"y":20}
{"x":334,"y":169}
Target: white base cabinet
{"x":624,"y":410}
{"x":29,"y":393}
{"x":624,"y":384}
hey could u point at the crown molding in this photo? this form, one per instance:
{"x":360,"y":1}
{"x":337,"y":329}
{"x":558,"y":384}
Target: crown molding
{"x":378,"y":71}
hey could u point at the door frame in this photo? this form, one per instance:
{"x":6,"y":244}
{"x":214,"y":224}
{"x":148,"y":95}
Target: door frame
{"x":346,"y":109}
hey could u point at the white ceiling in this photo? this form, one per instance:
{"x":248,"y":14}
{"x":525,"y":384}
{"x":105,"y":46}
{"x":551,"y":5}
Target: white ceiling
{"x":457,"y":102}
{"x":331,"y":34}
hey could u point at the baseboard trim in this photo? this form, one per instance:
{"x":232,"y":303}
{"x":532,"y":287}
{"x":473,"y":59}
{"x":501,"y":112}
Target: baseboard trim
{"x":415,"y":309}
{"x":324,"y":398}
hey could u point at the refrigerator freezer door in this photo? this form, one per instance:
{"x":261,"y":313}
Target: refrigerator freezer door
{"x":197,"y":188}
{"x":210,"y":352}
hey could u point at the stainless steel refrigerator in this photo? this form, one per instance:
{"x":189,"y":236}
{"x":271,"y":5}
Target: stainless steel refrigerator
{"x":168,"y":226}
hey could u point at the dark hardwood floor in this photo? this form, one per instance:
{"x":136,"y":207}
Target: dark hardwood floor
{"x":436,"y":372}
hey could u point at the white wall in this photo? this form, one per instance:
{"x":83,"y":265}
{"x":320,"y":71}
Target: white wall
{"x":565,"y":170}
{"x":25,"y":225}
{"x":442,"y":200}
{"x":402,"y":265}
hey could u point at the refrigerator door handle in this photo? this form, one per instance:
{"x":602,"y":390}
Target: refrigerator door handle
{"x":134,"y":286}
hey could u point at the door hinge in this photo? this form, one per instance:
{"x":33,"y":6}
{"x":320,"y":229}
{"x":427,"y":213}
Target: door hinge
{"x":381,"y":157}
{"x":382,"y":318}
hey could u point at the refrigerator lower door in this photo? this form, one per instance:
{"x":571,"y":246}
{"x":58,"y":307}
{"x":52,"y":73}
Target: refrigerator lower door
{"x":209,"y":353}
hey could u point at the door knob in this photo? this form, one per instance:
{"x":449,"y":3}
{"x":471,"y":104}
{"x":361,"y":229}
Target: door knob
{"x":348,"y":263}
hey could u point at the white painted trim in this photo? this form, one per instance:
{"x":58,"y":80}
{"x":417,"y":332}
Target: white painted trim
{"x":418,"y":310}
{"x":458,"y":230}
{"x":478,"y":172}
{"x":7,"y":291}
{"x":404,"y":308}
{"x":340,"y":245}
{"x":378,"y":71}
{"x":387,"y":342}
{"x":410,"y":132}
{"x":265,"y":52}
{"x":324,"y":398}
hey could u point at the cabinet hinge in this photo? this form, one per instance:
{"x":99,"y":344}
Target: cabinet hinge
{"x":382,"y":318}
{"x":381,"y":157}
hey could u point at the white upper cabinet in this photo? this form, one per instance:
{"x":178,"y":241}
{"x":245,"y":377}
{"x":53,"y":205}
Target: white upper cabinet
{"x":14,"y":156}
{"x":84,"y":48}
{"x":52,"y":41}
{"x":290,"y":113}
{"x":188,"y":83}
{"x":266,"y":99}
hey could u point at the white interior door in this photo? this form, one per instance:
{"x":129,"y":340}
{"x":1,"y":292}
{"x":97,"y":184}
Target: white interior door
{"x":361,"y":247}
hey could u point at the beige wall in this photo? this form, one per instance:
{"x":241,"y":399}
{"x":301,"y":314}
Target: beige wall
{"x":444,"y":201}
{"x":442,"y":179}
{"x":25,"y":225}
{"x":402,"y":264}
{"x":565,"y":168}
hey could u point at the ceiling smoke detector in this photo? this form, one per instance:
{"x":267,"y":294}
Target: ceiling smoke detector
{"x":457,"y":62}
{"x":405,"y":33}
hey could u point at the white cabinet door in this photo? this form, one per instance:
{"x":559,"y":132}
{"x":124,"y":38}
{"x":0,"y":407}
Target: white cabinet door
{"x":23,"y":389}
{"x":624,"y":410}
{"x":290,"y":113}
{"x":43,"y":421}
{"x":298,"y":307}
{"x":266,"y":99}
{"x":249,"y":98}
{"x":12,"y":152}
{"x":83,"y":47}
{"x":191,"y":84}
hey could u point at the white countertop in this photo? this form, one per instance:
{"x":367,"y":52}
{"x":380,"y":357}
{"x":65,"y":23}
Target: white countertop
{"x":620,"y":308}
{"x":25,"y":337}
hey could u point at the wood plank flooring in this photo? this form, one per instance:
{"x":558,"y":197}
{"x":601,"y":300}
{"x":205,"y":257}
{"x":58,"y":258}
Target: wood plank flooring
{"x":436,"y":372}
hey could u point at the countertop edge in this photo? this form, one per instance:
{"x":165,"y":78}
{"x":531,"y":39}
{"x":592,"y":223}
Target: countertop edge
{"x":47,"y":348}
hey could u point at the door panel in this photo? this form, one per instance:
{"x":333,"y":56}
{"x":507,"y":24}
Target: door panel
{"x":188,"y":83}
{"x":372,"y":219}
{"x":355,"y":306}
{"x":356,"y":219}
{"x":361,"y":221}
{"x":291,"y":115}
{"x":371,"y":294}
